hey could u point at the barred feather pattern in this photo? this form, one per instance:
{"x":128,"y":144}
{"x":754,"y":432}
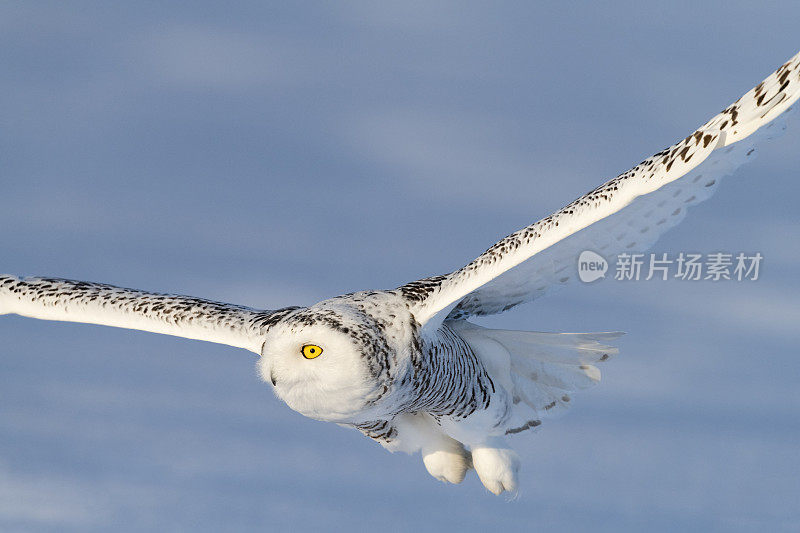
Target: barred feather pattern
{"x":61,"y":299}
{"x":648,"y":199}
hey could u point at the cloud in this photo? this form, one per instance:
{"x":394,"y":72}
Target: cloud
{"x":46,"y":501}
{"x":460,"y":157}
{"x":196,"y":58}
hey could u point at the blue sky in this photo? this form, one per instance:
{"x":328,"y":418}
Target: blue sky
{"x":269,"y":155}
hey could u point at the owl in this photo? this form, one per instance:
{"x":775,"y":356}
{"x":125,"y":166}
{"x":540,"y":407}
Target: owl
{"x":405,"y":366}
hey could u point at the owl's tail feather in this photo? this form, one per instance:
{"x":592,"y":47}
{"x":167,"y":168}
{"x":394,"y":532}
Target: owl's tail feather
{"x":545,"y":367}
{"x":563,"y":348}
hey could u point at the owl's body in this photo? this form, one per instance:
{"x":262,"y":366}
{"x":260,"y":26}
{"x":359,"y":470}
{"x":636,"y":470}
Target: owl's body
{"x":404,"y":366}
{"x":412,"y":392}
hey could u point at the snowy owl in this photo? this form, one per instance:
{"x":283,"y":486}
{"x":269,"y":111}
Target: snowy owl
{"x":405,"y":366}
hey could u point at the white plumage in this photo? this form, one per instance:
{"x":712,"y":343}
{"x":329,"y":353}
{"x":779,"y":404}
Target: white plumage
{"x":404,"y":366}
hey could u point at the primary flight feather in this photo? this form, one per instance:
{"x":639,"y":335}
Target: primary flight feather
{"x":404,"y":366}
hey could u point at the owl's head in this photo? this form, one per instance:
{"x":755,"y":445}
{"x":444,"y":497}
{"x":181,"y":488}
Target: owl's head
{"x":326,"y":361}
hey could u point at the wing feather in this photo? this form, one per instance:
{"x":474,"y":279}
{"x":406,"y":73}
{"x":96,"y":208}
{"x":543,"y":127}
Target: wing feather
{"x":628,"y":212}
{"x":96,"y":303}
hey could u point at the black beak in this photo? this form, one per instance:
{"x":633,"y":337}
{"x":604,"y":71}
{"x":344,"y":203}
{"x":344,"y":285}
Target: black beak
{"x":273,"y":379}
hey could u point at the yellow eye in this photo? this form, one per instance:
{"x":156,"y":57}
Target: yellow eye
{"x":311,"y":351}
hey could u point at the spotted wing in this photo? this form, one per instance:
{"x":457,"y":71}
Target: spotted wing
{"x":95,"y":303}
{"x":628,"y":212}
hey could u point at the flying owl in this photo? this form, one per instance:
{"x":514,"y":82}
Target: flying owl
{"x":405,"y":366}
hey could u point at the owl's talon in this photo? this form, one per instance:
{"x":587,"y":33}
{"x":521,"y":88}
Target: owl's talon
{"x":497,"y":467}
{"x":448,"y":465}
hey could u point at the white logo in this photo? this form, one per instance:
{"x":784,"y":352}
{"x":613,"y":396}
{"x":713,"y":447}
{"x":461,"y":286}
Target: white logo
{"x":591,"y":266}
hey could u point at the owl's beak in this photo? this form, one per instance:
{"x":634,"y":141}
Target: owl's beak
{"x":273,"y":379}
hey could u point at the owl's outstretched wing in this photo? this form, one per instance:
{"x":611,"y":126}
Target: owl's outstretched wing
{"x":95,"y":303}
{"x":628,"y":213}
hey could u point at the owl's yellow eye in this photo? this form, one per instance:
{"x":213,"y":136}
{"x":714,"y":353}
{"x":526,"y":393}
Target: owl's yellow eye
{"x":311,"y":351}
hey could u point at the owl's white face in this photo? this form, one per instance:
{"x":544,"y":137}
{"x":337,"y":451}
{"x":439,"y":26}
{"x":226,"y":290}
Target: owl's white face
{"x":317,"y":370}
